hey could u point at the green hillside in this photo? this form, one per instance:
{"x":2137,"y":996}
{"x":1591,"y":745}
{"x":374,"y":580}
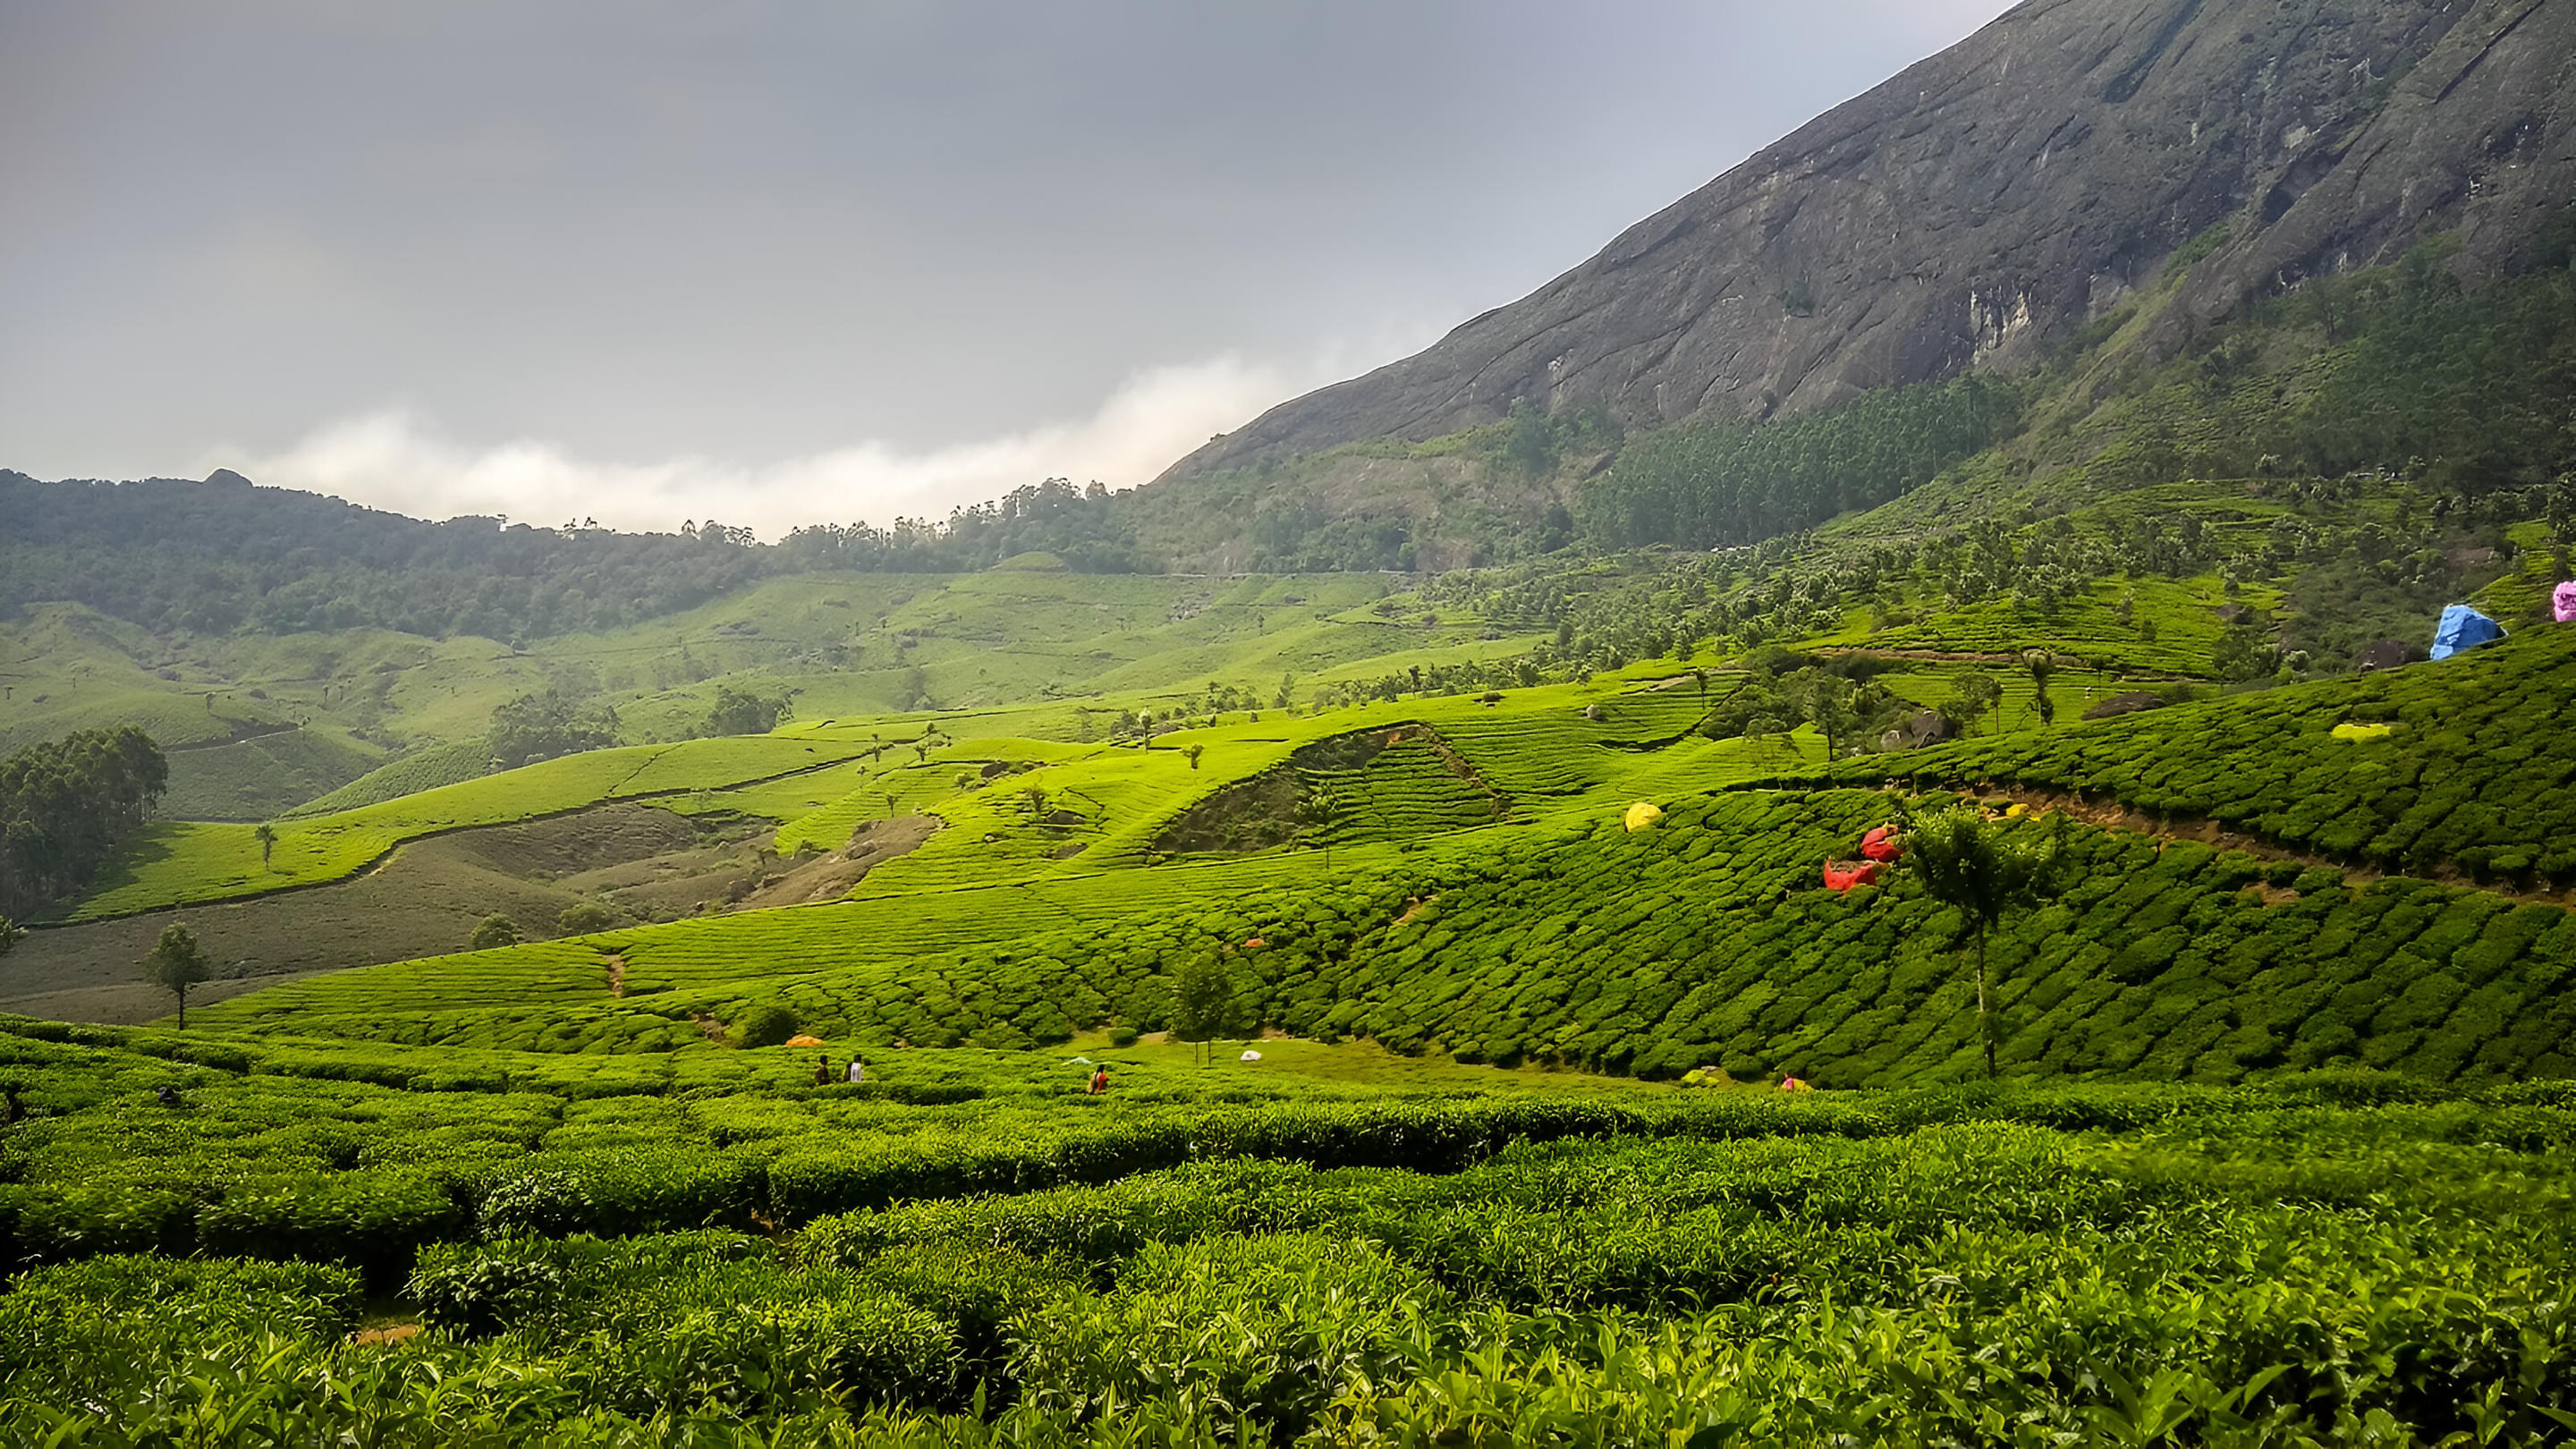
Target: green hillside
{"x":2307,"y":477}
{"x":1546,"y":933}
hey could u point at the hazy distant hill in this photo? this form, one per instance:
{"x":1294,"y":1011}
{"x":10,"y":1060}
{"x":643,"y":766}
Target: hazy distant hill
{"x":1988,"y":203}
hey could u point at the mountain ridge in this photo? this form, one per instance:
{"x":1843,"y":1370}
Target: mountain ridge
{"x":1934,"y":225}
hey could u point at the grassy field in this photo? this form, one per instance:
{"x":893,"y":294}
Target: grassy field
{"x":191,"y":863}
{"x":839,"y":645}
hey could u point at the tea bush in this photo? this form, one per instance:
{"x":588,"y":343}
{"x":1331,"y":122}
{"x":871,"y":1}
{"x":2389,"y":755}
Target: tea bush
{"x":2478,"y":771}
{"x":2319,"y":1263}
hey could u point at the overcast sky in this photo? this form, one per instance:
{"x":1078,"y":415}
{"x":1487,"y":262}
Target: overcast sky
{"x":792,"y":262}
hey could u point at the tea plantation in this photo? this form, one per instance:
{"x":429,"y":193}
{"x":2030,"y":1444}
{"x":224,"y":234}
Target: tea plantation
{"x":1489,"y":1150}
{"x":970,"y":1250}
{"x":2465,"y":763}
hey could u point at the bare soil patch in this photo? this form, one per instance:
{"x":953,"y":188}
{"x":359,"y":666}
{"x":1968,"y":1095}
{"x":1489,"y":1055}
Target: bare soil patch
{"x":830,"y":877}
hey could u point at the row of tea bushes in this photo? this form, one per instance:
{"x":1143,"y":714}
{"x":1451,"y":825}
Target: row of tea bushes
{"x":1970,"y":1283}
{"x":1710,"y":941}
{"x":261,"y":1165}
{"x":2477,"y":768}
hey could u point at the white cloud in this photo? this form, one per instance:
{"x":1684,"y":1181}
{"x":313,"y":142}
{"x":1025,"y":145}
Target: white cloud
{"x":395,"y":460}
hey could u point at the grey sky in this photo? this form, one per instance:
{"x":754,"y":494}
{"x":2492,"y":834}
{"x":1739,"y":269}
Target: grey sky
{"x":790,"y":262}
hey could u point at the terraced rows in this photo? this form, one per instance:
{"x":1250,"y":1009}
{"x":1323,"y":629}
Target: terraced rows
{"x":2476,"y":765}
{"x":1408,"y":790}
{"x":192,"y":863}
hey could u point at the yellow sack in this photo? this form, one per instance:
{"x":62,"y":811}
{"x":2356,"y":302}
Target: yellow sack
{"x":1641,"y":815}
{"x":2350,"y":731}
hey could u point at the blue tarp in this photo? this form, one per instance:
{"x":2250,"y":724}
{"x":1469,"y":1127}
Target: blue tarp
{"x":2463,"y":628}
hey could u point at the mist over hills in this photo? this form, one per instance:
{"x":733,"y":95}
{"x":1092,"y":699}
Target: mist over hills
{"x":2197,"y":296}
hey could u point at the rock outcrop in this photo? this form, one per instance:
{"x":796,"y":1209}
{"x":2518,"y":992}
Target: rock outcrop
{"x":1990,"y":201}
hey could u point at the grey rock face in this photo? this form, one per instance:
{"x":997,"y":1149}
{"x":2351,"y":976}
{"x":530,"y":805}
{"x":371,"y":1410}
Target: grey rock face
{"x":1991,"y":200}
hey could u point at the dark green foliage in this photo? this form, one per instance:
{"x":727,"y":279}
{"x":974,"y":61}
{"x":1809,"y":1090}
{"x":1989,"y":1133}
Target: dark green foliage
{"x":1705,"y":487}
{"x":740,"y":712}
{"x":2477,"y":384}
{"x":493,"y":932}
{"x":175,"y":964}
{"x":536,"y":727}
{"x":584,"y":919}
{"x":1983,"y":868}
{"x":64,"y":807}
{"x":766,"y":1024}
{"x":372,"y":1222}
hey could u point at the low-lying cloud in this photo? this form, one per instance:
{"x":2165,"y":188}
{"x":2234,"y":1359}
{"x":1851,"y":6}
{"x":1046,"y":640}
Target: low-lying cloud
{"x":399,"y":461}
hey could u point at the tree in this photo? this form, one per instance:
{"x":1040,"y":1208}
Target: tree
{"x":583,"y":919}
{"x":2041,"y":665}
{"x":1830,"y":702}
{"x":1194,"y":752}
{"x":740,"y":712}
{"x":542,"y":726}
{"x":1315,"y":819}
{"x":2244,"y":652}
{"x":66,"y":804}
{"x":175,"y":964}
{"x":1975,"y":693}
{"x":2558,"y":509}
{"x":496,"y":930}
{"x":1202,"y":999}
{"x":766,"y":1024}
{"x":10,"y":933}
{"x":266,"y":835}
{"x":1984,"y":868}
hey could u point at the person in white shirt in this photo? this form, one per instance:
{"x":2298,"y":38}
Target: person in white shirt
{"x":858,"y":1070}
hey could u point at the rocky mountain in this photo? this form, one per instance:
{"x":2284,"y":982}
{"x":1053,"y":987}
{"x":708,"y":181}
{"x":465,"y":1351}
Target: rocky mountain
{"x":1989,"y":202}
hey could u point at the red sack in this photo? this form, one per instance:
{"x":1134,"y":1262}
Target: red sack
{"x":1880,"y":844}
{"x":1842,"y":875}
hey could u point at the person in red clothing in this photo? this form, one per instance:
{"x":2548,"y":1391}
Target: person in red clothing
{"x":1099,"y":1082}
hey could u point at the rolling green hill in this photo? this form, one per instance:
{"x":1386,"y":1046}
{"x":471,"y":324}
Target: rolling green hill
{"x":1551,"y":935}
{"x":1439,"y":1099}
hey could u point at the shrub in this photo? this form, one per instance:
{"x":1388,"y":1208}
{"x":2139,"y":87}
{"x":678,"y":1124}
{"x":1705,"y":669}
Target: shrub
{"x":765,"y":1024}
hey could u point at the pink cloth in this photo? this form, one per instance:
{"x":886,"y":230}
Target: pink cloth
{"x":2562,"y":604}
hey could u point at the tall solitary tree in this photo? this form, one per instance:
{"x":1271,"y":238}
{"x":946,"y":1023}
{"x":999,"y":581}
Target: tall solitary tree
{"x":266,"y":835}
{"x":1315,"y":819}
{"x":1987,"y":869}
{"x":1202,"y":1000}
{"x":2042,"y":665}
{"x":10,"y":931}
{"x":175,"y":964}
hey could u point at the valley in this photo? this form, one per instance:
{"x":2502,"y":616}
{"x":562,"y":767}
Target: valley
{"x":1933,"y":802}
